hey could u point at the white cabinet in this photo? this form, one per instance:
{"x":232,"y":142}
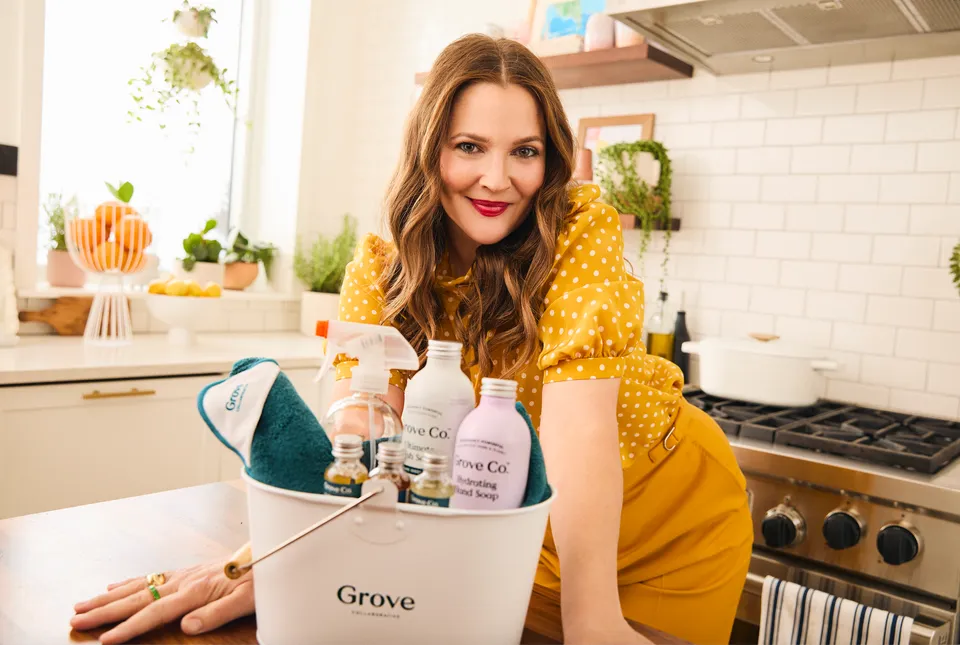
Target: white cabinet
{"x":78,"y":443}
{"x":70,"y":444}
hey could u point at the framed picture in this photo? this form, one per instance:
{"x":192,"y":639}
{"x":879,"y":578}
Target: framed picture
{"x":558,"y":26}
{"x":596,"y":133}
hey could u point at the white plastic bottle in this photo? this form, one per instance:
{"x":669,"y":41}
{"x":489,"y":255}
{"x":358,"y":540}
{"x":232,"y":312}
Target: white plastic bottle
{"x":435,"y":403}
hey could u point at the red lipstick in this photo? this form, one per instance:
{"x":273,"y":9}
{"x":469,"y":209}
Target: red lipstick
{"x":489,"y":209}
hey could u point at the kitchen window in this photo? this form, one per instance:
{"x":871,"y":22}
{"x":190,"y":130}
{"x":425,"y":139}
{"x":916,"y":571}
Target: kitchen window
{"x":91,"y":50}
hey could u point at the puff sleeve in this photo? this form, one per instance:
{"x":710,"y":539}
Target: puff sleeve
{"x":593,"y":310}
{"x":362,"y":300}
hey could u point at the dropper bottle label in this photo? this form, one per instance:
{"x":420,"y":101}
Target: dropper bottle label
{"x":345,"y":476}
{"x":433,"y":487}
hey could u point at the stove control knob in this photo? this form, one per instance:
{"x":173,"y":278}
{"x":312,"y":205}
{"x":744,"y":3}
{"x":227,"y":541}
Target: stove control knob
{"x":842,"y":529}
{"x":783,"y":527}
{"x":897,"y":544}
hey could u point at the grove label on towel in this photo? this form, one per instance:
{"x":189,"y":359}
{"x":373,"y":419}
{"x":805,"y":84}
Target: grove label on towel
{"x":345,"y":476}
{"x":436,"y":401}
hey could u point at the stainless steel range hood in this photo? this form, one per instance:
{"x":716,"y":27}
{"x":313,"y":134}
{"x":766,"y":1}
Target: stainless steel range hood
{"x":742,"y":36}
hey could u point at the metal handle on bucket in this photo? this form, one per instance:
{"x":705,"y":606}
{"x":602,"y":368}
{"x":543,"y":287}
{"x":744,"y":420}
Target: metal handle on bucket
{"x":240,"y":563}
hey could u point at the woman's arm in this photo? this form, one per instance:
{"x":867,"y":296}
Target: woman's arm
{"x":580,"y":438}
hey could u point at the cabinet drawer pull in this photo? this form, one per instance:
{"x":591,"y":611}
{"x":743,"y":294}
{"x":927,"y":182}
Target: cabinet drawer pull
{"x":97,"y":394}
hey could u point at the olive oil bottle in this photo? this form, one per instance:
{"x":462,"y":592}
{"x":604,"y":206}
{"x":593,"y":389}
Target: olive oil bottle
{"x":345,"y":476}
{"x":660,"y":328}
{"x":433,"y":486}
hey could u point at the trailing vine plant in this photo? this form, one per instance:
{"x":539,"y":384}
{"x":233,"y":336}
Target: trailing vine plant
{"x":955,"y":266}
{"x":176,"y":75}
{"x":194,"y":20}
{"x":629,"y":194}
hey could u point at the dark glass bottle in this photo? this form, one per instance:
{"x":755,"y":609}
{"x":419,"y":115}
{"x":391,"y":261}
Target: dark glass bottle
{"x":680,"y":336}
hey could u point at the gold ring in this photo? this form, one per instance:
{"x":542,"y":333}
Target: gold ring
{"x":156,"y":579}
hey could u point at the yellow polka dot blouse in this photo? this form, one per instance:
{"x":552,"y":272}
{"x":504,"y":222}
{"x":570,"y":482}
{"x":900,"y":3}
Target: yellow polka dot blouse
{"x":590,"y":329}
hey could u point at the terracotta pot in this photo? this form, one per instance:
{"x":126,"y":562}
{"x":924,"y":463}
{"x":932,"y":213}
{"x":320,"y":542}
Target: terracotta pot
{"x":240,"y":275}
{"x":62,"y":272}
{"x":626,"y":37}
{"x":202,"y":272}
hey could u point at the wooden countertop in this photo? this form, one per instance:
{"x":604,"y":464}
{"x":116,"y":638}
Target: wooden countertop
{"x":50,"y":561}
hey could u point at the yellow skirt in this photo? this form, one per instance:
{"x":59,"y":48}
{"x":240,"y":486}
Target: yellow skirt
{"x":685,"y":535}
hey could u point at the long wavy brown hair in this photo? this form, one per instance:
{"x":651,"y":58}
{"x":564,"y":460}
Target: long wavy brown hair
{"x":505,"y":299}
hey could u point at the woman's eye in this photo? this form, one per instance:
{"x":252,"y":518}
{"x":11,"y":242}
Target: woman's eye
{"x":468,"y":147}
{"x":527,"y":152}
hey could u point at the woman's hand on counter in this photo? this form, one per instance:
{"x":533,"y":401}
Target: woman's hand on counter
{"x":203,"y":595}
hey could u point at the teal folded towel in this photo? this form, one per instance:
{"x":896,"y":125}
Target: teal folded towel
{"x":257,"y":413}
{"x":538,"y":490}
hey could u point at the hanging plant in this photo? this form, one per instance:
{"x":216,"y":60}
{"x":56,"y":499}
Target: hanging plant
{"x":194,"y":21}
{"x":175,"y":77}
{"x":629,"y":194}
{"x":955,"y":266}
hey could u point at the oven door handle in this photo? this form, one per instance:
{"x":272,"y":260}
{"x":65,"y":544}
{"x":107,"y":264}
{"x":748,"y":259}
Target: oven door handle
{"x":920,"y":634}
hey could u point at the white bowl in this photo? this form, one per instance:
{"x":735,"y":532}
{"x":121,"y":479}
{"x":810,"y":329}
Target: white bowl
{"x":182,"y":314}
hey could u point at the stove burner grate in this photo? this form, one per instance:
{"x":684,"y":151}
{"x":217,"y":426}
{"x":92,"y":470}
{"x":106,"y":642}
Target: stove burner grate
{"x":915,"y":443}
{"x":912,"y":442}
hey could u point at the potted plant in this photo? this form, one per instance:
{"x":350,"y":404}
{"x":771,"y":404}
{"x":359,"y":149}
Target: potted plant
{"x":194,"y":21}
{"x":625,"y":177}
{"x":202,"y":262}
{"x":175,"y":77}
{"x":61,"y":269}
{"x":321,"y":269}
{"x":243,"y":259}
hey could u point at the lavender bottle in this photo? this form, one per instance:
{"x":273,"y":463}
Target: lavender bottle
{"x":492,"y":453}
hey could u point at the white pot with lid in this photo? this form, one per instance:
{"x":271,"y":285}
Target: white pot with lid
{"x":761,"y":369}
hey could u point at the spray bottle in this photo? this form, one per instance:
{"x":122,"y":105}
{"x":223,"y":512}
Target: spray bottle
{"x":378,"y":349}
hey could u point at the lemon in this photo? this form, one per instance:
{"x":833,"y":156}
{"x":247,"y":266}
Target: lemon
{"x":194,"y":289}
{"x":176,"y":288}
{"x":158,"y":286}
{"x":212,"y":290}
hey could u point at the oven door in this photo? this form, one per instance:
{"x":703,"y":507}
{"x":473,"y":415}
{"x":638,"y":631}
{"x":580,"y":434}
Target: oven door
{"x":934,"y":619}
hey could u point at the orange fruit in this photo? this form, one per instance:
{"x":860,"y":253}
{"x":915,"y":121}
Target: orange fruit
{"x":133,"y":233}
{"x":112,"y":212}
{"x":85,"y":233}
{"x":131,"y":262}
{"x":108,"y":256}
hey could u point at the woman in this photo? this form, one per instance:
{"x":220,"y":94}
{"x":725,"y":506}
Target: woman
{"x":494,"y":249}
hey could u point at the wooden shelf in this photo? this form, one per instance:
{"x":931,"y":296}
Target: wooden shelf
{"x":629,"y":222}
{"x":617,"y":66}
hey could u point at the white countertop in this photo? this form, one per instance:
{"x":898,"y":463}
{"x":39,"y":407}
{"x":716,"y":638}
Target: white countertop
{"x":57,"y":359}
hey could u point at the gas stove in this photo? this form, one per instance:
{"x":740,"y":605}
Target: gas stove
{"x":863,"y":503}
{"x":912,"y":442}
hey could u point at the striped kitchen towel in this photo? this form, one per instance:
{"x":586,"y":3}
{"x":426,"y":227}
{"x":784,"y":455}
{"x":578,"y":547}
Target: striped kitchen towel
{"x":795,"y":615}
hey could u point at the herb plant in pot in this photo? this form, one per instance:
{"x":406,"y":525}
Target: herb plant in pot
{"x":635,"y":178}
{"x":243,"y":259}
{"x":62,"y":271}
{"x":202,"y":262}
{"x":321,"y":269}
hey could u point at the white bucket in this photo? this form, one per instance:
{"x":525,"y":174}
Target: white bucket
{"x":388,"y":572}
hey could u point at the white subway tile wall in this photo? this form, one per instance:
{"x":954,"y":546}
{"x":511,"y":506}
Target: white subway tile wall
{"x":793,"y":189}
{"x":836,"y":225}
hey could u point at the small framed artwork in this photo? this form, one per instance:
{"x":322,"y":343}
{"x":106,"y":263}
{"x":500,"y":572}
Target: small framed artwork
{"x":596,"y":133}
